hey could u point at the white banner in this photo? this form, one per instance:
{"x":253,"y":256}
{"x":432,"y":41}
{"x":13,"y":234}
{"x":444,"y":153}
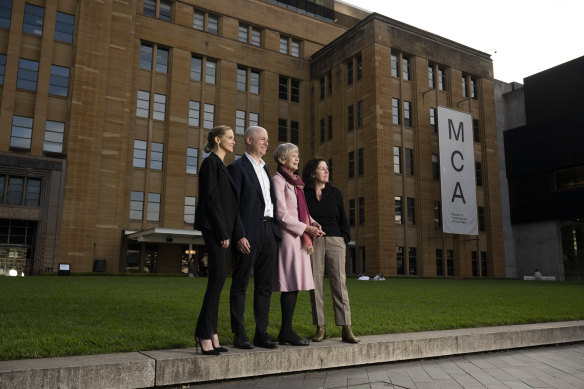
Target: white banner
{"x":457,"y":172}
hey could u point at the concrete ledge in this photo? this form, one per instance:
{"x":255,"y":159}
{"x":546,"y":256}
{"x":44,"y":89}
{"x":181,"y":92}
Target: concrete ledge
{"x":124,"y":370}
{"x":173,"y":367}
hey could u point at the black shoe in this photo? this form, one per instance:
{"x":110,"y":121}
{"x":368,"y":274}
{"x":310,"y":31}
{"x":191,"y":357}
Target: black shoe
{"x":264,"y":341}
{"x":221,"y":349}
{"x":206,"y":352}
{"x":293,"y":339}
{"x":241,"y":341}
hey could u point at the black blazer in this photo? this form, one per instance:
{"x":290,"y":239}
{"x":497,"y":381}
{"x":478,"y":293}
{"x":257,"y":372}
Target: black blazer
{"x":248,"y":224}
{"x":218,"y":201}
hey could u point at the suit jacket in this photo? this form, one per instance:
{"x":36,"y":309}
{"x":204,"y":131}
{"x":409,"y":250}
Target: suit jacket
{"x":248,"y":224}
{"x":218,"y":200}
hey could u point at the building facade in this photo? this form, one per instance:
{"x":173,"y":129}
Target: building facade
{"x":105,"y":108}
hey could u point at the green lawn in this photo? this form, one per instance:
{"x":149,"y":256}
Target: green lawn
{"x":58,"y":316}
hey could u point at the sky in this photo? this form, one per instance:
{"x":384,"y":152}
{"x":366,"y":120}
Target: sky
{"x":523,"y":37}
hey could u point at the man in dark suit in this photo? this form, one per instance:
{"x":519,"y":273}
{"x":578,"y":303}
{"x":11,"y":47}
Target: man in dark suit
{"x":254,"y":239}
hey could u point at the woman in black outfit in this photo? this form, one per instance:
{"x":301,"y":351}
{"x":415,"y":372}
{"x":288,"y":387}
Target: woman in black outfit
{"x":215,"y":218}
{"x":325,"y":204}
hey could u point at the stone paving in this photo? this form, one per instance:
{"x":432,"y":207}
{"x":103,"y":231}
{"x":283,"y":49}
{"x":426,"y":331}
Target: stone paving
{"x":559,"y":367}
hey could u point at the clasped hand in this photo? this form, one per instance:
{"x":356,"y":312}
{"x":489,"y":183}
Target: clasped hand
{"x":315,"y":231}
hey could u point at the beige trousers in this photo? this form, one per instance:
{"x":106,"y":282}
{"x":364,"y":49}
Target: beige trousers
{"x":329,"y":253}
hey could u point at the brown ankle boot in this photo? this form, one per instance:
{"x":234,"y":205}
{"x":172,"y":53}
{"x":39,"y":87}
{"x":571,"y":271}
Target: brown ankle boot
{"x":320,"y":334}
{"x":348,"y":336}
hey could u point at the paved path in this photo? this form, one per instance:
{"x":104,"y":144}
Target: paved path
{"x":540,"y":367}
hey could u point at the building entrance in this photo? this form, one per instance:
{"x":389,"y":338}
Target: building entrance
{"x":16,"y":246}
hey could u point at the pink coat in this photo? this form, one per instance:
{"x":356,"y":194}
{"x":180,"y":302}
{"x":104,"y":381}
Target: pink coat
{"x":294,"y":270}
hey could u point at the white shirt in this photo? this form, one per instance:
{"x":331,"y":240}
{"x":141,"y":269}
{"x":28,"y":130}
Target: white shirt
{"x":264,"y":183}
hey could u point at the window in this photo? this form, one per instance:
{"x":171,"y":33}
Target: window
{"x":2,"y":186}
{"x":190,"y":209}
{"x":476,"y":130}
{"x":140,"y":147}
{"x":210,"y":71}
{"x":361,"y":210}
{"x":394,"y":65}
{"x":294,"y":91}
{"x":64,"y":27}
{"x":439,"y":263}
{"x":359,"y":59}
{"x":254,"y":82}
{"x":165,"y":12}
{"x":199,"y":22}
{"x":409,"y":162}
{"x":2,"y":64}
{"x":464,"y":86}
{"x":399,"y":260}
{"x":399,"y":210}
{"x":15,"y":190}
{"x":28,"y":74}
{"x":253,"y":119}
{"x":54,"y":133}
{"x":283,"y":45}
{"x":407,"y":114}
{"x":431,"y":77}
{"x":149,"y":8}
{"x":329,"y":81}
{"x":433,"y":129}
{"x":289,"y":46}
{"x":196,"y":68}
{"x":282,"y":130}
{"x":450,"y":262}
{"x":241,"y":79}
{"x":146,"y":56}
{"x":411,"y":204}
{"x":441,"y":79}
{"x":212,"y":24}
{"x":33,"y":192}
{"x":484,"y":264}
{"x":239,"y":122}
{"x":350,"y":72}
{"x":352,"y":212}
{"x":161,"y":60}
{"x":295,"y":48}
{"x":473,"y":88}
{"x":153,"y":207}
{"x":59,"y":81}
{"x":405,"y":68}
{"x":283,"y":88}
{"x":350,"y":118}
{"x":479,"y":173}
{"x":136,"y":205}
{"x":351,"y":164}
{"x":33,"y":19}
{"x":21,"y":132}
{"x":294,"y":133}
{"x":322,"y":88}
{"x":435,"y":167}
{"x":396,"y":117}
{"x":330,"y":127}
{"x":5,"y":13}
{"x":156,"y":156}
{"x":256,"y":37}
{"x":360,"y":162}
{"x":159,"y":111}
{"x":143,"y":104}
{"x":362,"y":258}
{"x":474,"y":263}
{"x":412,"y":261}
{"x":209,"y":116}
{"x":481,"y":216}
{"x":437,"y":214}
{"x":360,"y":114}
{"x":322,"y":135}
{"x":192,"y":160}
{"x":194,"y":113}
{"x":397,"y":159}
{"x":243,"y":33}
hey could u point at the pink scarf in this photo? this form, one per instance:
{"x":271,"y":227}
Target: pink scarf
{"x":303,"y":214}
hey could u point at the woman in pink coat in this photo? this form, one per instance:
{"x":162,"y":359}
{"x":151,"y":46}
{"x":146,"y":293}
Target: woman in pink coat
{"x":293,"y":270}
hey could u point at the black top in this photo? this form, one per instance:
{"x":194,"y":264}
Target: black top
{"x":329,"y":212}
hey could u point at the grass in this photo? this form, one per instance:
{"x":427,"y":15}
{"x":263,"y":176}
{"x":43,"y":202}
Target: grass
{"x":60,"y":316}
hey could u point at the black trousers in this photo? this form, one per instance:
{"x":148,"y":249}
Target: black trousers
{"x":261,"y":260}
{"x":207,"y":323}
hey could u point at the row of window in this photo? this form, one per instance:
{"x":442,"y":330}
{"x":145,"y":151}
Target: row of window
{"x":209,"y":22}
{"x":28,"y":74}
{"x":17,"y":190}
{"x":21,"y":134}
{"x":152,"y":200}
{"x":361,"y":204}
{"x":34,"y":17}
{"x":442,"y":268}
{"x":283,"y":131}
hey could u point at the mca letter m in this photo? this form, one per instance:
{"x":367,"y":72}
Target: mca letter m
{"x":452,"y":130}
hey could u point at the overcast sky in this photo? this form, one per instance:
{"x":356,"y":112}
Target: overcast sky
{"x":524,"y":37}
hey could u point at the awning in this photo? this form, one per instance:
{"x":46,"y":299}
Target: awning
{"x":166,"y":235}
